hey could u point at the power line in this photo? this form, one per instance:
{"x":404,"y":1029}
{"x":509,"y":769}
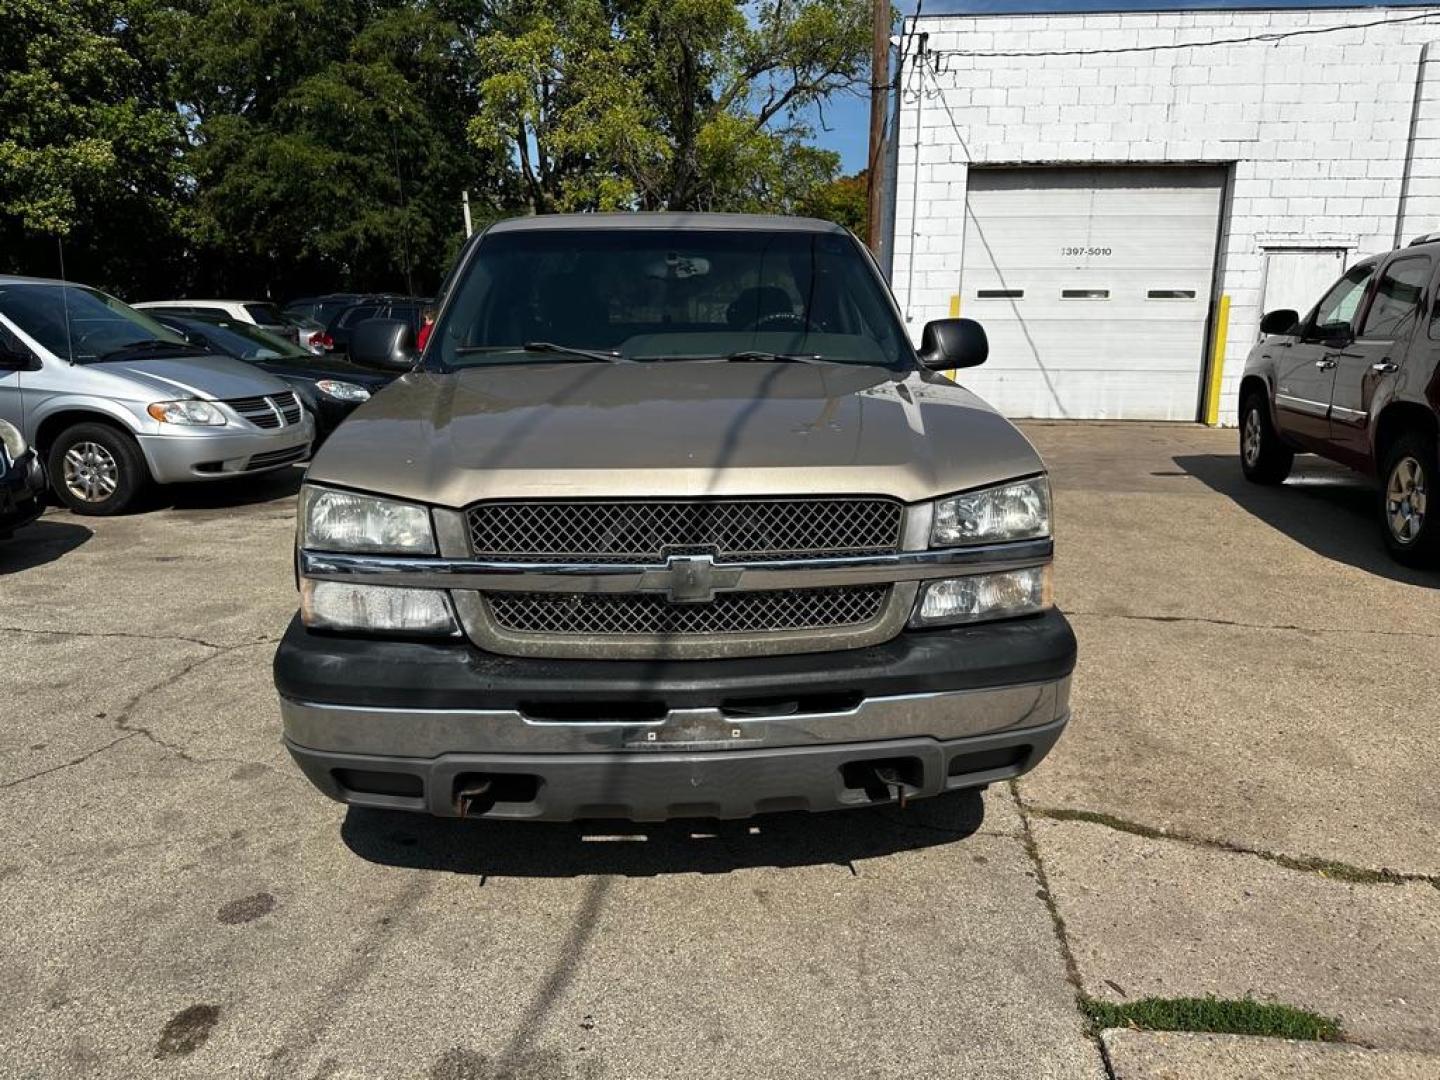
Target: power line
{"x":1278,"y":35}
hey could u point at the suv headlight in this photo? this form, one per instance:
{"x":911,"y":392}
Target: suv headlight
{"x":344,"y":521}
{"x":1019,"y":510}
{"x":13,"y":440}
{"x":191,"y":411}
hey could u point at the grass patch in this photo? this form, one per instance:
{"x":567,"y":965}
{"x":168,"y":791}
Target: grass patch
{"x":1226,"y":1017}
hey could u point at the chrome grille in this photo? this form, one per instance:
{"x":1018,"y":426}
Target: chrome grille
{"x":265,"y":412}
{"x":732,"y":530}
{"x":650,"y":614}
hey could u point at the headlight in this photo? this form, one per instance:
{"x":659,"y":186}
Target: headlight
{"x":192,"y":411}
{"x":338,"y":605}
{"x":344,"y":521}
{"x":1015,"y":511}
{"x":342,"y":391}
{"x":983,"y":596}
{"x":13,"y":440}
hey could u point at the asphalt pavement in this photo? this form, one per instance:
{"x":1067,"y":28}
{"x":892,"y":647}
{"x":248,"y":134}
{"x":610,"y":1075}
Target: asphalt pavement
{"x":1244,"y":805}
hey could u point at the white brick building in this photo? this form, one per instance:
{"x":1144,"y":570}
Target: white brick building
{"x":1099,"y":211}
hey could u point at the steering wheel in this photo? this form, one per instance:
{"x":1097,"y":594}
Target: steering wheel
{"x":780,"y":320}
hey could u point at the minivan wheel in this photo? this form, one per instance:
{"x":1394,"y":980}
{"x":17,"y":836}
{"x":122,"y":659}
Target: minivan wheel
{"x":96,"y":470}
{"x":1410,"y":475}
{"x":1263,"y":457}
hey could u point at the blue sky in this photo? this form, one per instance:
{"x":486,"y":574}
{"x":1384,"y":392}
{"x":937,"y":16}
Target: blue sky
{"x":847,"y":115}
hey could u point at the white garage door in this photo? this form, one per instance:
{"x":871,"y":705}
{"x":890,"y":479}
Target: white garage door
{"x":1094,"y":287}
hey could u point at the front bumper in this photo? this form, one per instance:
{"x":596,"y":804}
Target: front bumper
{"x":211,"y":455}
{"x":411,"y":725}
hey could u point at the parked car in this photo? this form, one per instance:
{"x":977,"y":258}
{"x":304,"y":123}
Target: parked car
{"x":113,"y":400}
{"x":342,"y":326}
{"x":671,"y":521}
{"x":330,"y":389}
{"x":309,"y":334}
{"x":1357,"y":380}
{"x":323,"y":309}
{"x":261,"y":313}
{"x":22,"y":481}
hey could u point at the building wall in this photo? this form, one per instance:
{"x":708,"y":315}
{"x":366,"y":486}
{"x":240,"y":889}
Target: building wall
{"x":1315,"y":129}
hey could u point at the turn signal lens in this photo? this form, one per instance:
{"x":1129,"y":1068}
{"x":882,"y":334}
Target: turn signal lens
{"x":984,"y":596}
{"x":338,"y":605}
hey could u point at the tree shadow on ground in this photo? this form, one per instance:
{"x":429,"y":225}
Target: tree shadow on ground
{"x":1332,"y":510}
{"x":537,"y":849}
{"x":39,"y":543}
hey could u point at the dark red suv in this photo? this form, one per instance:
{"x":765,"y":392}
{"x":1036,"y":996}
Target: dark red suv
{"x":1357,"y":380}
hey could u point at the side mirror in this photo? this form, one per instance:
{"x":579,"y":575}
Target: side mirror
{"x":383,"y":344}
{"x":953,"y":343}
{"x":1283,"y":321}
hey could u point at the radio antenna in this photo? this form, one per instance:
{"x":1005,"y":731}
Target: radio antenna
{"x":65,"y":299}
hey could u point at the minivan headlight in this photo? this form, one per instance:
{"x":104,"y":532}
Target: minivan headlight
{"x":191,"y":411}
{"x":13,"y":440}
{"x":344,"y":521}
{"x":1019,"y":510}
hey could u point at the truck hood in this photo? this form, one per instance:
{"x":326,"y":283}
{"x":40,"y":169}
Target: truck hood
{"x":172,"y":377}
{"x":671,"y":429}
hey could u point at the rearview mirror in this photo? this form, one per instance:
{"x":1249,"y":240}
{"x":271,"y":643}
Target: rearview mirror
{"x":383,"y":344}
{"x":1281,"y":321}
{"x":953,"y":343}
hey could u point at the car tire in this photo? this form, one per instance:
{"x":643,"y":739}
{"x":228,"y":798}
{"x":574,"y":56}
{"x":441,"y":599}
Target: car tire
{"x":1410,"y":474}
{"x":96,"y":470}
{"x":1263,"y":457}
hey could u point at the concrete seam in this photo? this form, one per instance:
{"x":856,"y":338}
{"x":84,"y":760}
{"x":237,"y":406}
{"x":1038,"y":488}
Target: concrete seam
{"x":1057,"y":922}
{"x":134,"y":637}
{"x":1331,"y":869}
{"x":1245,"y":625}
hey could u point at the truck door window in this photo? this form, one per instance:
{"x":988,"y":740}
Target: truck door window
{"x":1398,"y":298}
{"x":1335,"y":315}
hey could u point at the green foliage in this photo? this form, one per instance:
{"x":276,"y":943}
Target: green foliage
{"x":666,"y":104}
{"x":1231,"y":1017}
{"x":269,"y":147}
{"x":844,"y":200}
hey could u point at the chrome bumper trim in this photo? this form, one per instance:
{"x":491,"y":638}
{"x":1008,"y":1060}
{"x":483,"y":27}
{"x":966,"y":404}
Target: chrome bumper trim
{"x":428,"y":733}
{"x":488,"y":576}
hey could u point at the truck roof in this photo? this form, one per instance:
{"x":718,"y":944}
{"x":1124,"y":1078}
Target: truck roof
{"x":668,"y":220}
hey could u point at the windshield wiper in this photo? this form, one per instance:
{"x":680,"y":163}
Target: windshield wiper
{"x":763,"y":357}
{"x":545,"y":347}
{"x":147,"y":345}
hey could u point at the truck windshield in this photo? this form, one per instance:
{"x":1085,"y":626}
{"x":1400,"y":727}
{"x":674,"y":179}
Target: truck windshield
{"x":669,"y":294}
{"x":77,"y":323}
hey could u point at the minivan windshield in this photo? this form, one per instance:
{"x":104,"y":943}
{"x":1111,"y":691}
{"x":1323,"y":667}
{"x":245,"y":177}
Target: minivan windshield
{"x":78,"y":323}
{"x":668,"y":295}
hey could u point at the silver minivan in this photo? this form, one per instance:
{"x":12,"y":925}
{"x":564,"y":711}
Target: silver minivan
{"x":113,"y":400}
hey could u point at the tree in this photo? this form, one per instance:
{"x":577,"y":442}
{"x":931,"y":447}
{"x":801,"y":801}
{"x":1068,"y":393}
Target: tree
{"x":844,"y":200}
{"x":675,"y":104}
{"x":328,"y":146}
{"x":89,"y":149}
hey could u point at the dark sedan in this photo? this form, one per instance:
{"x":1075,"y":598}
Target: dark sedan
{"x":22,"y":481}
{"x":330,"y":388}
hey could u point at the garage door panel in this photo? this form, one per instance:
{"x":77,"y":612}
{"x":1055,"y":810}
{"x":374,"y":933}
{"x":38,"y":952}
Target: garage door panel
{"x":1094,"y":285}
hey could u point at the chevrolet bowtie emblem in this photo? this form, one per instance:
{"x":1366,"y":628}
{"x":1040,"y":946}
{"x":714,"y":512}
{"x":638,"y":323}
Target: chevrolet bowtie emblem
{"x":689,"y":579}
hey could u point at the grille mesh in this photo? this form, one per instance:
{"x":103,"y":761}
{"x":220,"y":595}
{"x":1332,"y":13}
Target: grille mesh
{"x":629,"y":614}
{"x":748,"y":530}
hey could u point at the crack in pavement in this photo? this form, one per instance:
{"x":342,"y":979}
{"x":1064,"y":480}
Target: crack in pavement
{"x":1292,"y":627}
{"x":120,"y":722}
{"x":1332,"y":869}
{"x":135,"y":637}
{"x":1057,"y":921}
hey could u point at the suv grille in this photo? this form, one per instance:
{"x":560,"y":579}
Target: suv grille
{"x":732,"y":530}
{"x":260,"y":411}
{"x":629,"y":614}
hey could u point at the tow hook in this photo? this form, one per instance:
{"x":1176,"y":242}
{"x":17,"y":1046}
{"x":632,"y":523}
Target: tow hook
{"x":466,"y":796}
{"x":899,"y":789}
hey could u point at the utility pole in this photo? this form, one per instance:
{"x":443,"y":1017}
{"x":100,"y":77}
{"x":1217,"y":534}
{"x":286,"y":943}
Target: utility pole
{"x":465,"y":209}
{"x":879,"y":100}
